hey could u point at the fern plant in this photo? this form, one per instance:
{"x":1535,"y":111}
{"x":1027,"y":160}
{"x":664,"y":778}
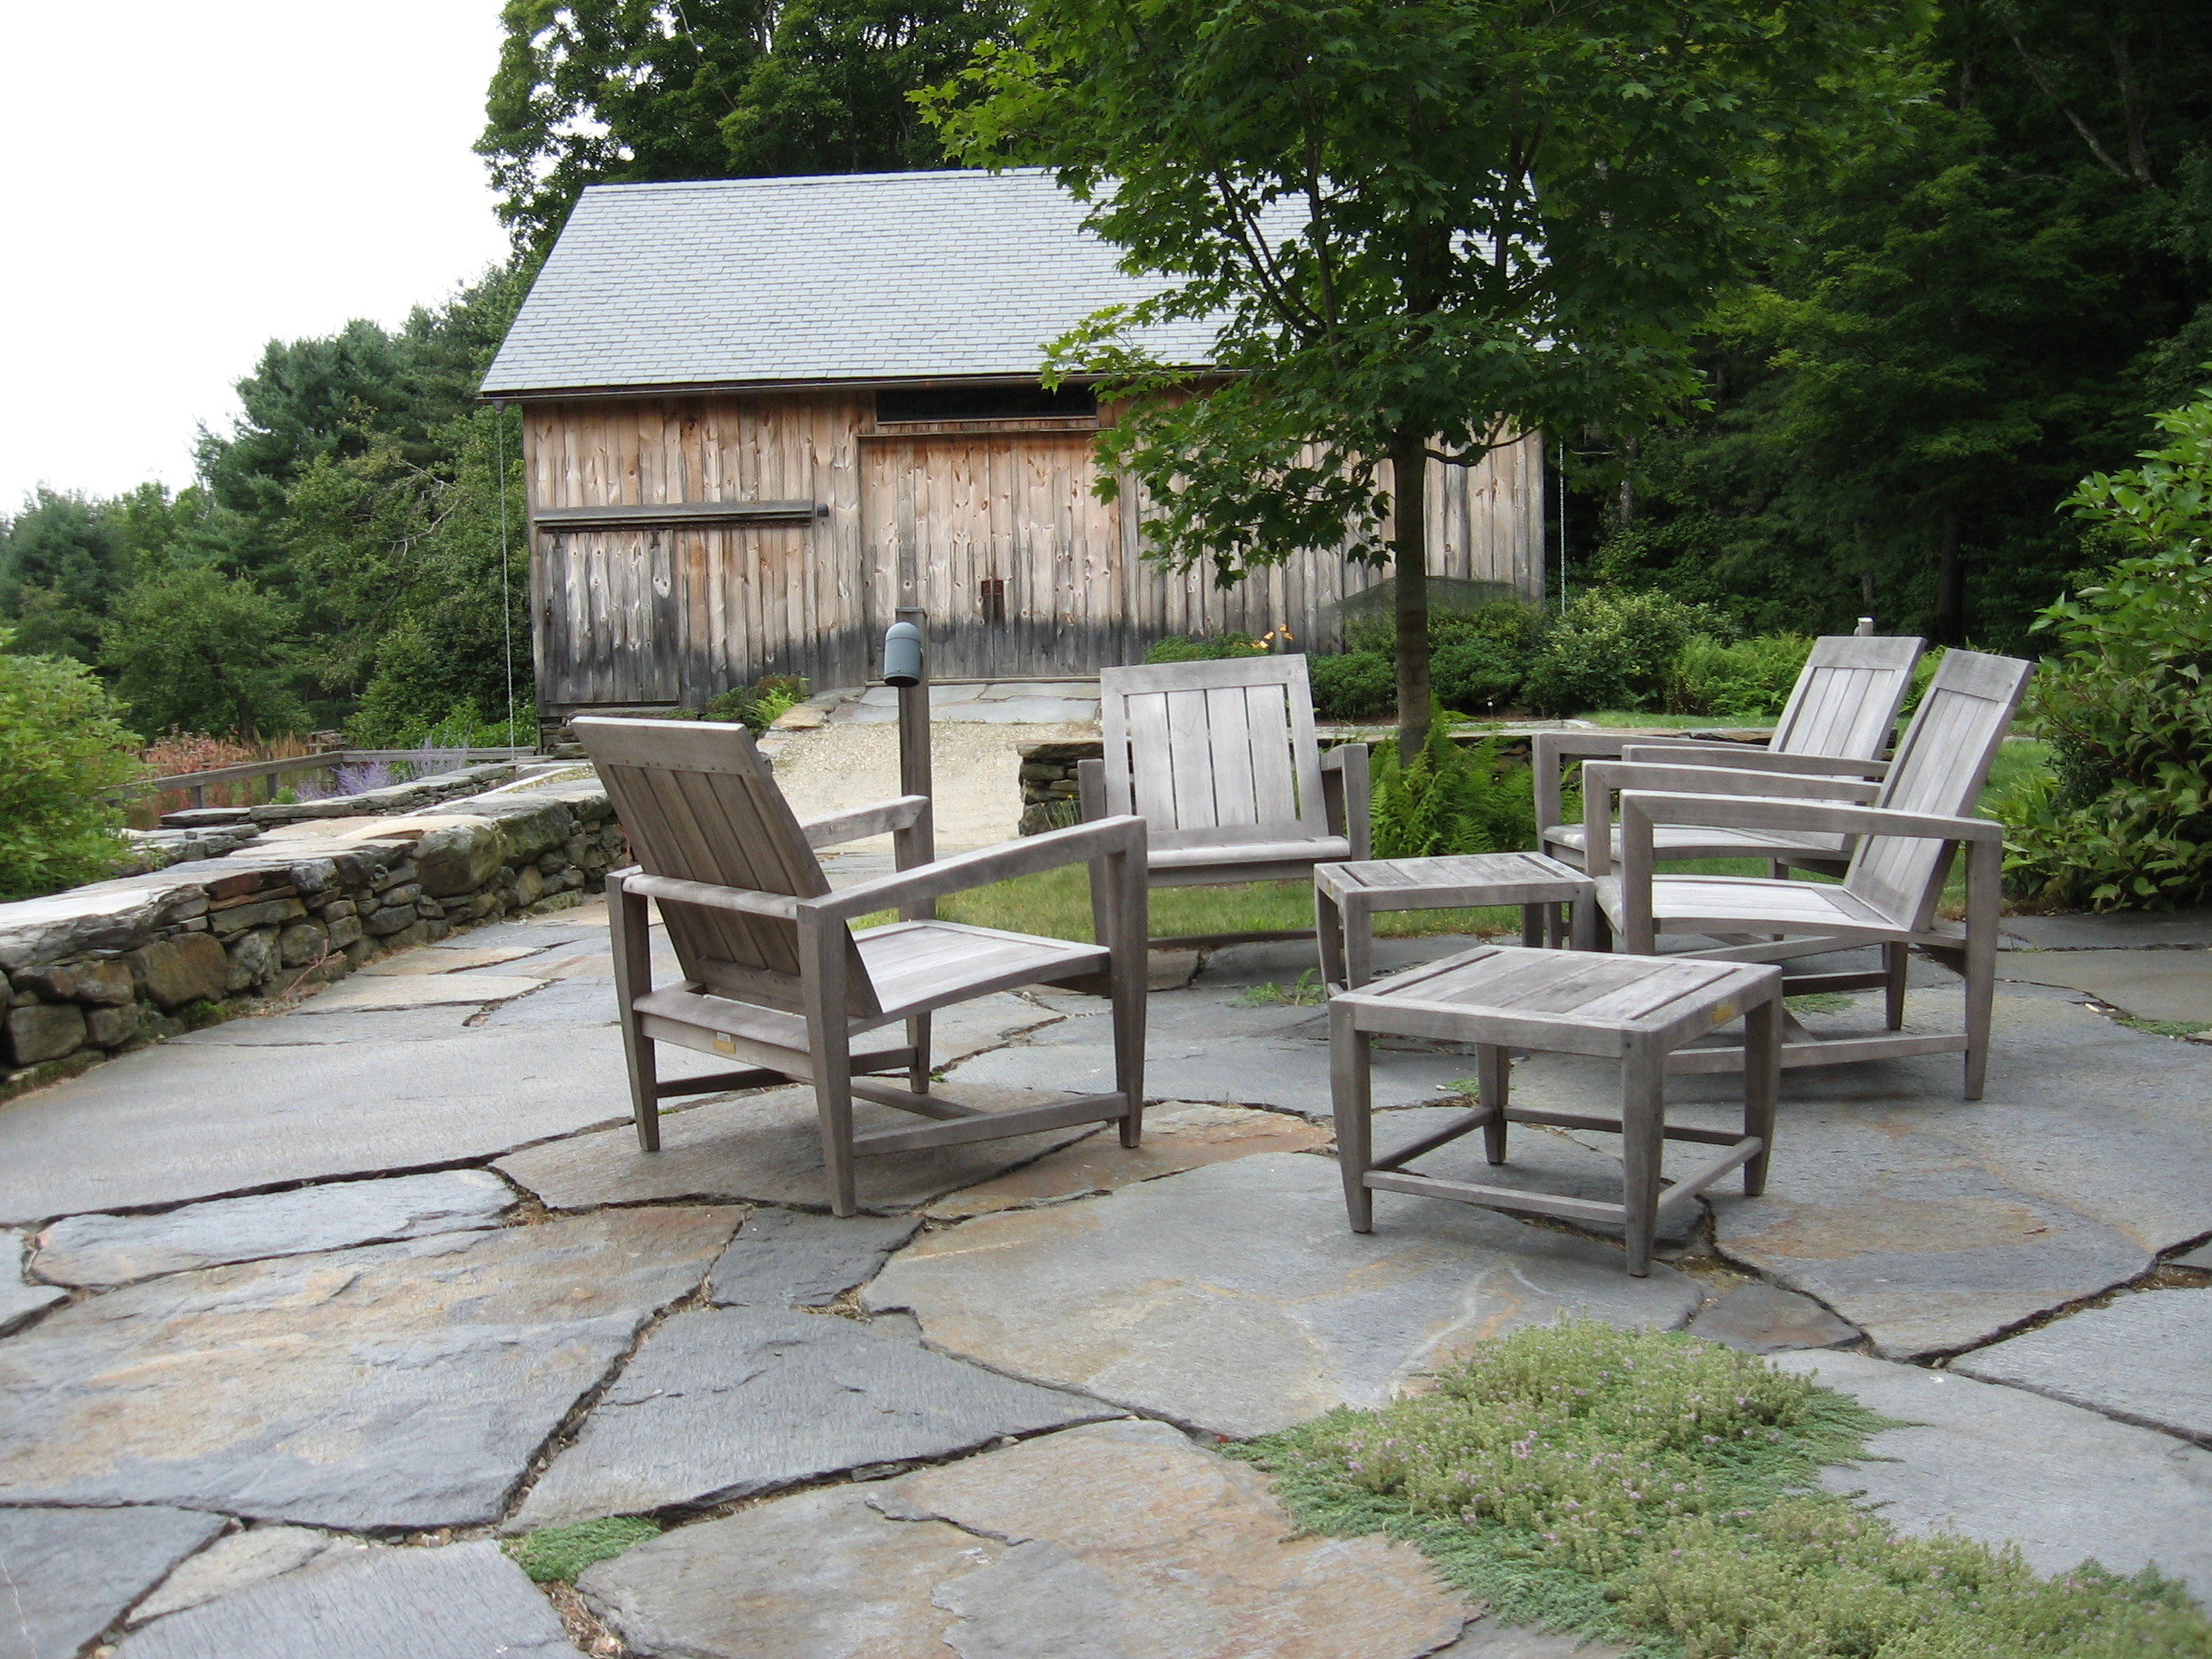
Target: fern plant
{"x":1449,"y":798}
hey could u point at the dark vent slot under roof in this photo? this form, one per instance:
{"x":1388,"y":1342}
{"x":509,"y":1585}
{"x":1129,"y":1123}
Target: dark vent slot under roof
{"x":940,"y":404}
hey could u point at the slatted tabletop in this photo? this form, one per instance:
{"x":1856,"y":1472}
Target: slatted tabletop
{"x":1635,"y":1009}
{"x":1346,"y":896}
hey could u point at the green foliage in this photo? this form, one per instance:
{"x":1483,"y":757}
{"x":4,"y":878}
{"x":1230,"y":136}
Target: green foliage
{"x":2127,"y":820}
{"x":1202,"y":647}
{"x":555,"y":1555}
{"x":1735,"y":678}
{"x":1416,"y":224}
{"x":1643,"y":1487}
{"x":758,"y":706}
{"x":1613,"y":649}
{"x":627,"y":91}
{"x":1353,"y":685}
{"x":62,"y":748}
{"x":197,"y":649}
{"x":1450,"y":799}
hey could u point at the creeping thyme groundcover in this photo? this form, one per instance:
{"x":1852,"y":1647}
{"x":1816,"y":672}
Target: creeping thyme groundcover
{"x":1654,"y":1490}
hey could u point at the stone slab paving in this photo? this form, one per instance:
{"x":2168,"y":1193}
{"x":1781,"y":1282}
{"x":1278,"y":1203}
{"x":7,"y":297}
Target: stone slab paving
{"x":736,"y":1402}
{"x":418,"y":990}
{"x":1121,"y":1539}
{"x":391,"y":1025}
{"x":20,"y":1297}
{"x":1234,"y":1299}
{"x":175,"y":1122}
{"x":114,"y":1249}
{"x":792,"y":1258}
{"x":2005,"y":1465}
{"x":235,"y":1562}
{"x":2119,"y":930}
{"x":1207,"y":1045}
{"x":2159,"y":984}
{"x":403,"y":1384}
{"x":2200,"y":1258}
{"x":2145,"y":1359}
{"x":1177,"y":1135}
{"x":1935,"y":1224}
{"x":67,"y":1575}
{"x":462,"y":1601}
{"x":766,"y":1148}
{"x":1764,"y":1319}
{"x":450,"y":959}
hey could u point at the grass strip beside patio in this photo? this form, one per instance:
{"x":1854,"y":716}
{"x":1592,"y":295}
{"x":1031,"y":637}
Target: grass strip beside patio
{"x":1653,"y":1490}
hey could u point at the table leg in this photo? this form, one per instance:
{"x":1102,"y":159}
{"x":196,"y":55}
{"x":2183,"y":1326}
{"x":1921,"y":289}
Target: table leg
{"x":1493,"y":1075}
{"x":1328,"y":927}
{"x":1532,"y":925}
{"x":1359,"y":939}
{"x":1643,"y":1124}
{"x":1762,"y":1086}
{"x":1350,"y":1091}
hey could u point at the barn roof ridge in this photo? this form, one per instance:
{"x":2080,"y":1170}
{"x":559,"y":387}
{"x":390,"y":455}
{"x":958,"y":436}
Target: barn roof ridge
{"x":818,"y":280}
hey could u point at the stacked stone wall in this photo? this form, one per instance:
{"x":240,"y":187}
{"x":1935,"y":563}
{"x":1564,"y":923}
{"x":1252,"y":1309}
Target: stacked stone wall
{"x":106,"y":968}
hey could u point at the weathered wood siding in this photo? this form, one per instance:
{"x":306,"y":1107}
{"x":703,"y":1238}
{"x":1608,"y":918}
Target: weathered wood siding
{"x":675,"y":613}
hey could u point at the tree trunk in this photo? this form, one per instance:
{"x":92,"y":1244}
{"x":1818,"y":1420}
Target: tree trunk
{"x":1410,"y":506}
{"x":1950,"y":608}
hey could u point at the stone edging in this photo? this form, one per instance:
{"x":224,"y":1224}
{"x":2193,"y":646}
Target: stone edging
{"x":110,"y":967}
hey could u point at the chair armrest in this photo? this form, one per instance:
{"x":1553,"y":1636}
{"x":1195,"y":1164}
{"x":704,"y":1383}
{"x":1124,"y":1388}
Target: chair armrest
{"x":1109,"y":838}
{"x":834,"y":828}
{"x":1742,"y":757}
{"x":1602,"y":779}
{"x":1549,"y":752}
{"x":706,"y":894}
{"x":1346,"y":796}
{"x":1640,"y":809}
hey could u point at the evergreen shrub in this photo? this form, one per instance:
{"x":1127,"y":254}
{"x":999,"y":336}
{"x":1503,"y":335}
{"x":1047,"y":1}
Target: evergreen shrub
{"x":759,"y":705}
{"x":1613,"y":650}
{"x":2124,"y":821}
{"x":63,"y":750}
{"x":1745,"y":679}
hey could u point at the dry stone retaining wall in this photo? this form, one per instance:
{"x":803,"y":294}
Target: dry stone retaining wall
{"x":118,"y":963}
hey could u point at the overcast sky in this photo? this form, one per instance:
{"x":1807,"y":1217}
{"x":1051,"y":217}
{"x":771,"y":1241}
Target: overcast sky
{"x":186,"y":181}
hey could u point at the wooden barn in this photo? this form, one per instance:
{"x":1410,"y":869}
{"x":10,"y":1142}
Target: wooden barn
{"x":760,"y":414}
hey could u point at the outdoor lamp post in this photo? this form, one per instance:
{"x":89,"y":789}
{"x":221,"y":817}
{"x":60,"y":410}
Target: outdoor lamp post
{"x":905,"y":668}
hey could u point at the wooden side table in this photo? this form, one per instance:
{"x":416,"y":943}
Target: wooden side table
{"x":1345,"y":897}
{"x":1637,"y":1010}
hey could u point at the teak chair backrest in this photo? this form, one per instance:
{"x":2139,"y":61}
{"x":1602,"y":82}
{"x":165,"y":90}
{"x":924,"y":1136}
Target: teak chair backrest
{"x":1211,"y":754}
{"x":699,"y":803}
{"x":1941,"y":764}
{"x":1846,"y":697}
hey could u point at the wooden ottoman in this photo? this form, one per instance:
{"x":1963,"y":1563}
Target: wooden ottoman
{"x":1345,"y":897}
{"x":1637,"y":1010}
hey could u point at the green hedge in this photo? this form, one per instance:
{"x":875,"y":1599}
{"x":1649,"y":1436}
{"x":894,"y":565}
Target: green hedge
{"x":63,"y":751}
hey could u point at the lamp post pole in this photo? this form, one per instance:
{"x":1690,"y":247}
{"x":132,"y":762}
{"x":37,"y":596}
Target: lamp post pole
{"x":906,"y":666}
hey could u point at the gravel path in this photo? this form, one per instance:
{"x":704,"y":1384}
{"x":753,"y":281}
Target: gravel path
{"x":977,"y":774}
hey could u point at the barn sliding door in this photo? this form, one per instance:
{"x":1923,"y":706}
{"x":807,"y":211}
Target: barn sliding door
{"x":998,"y":537}
{"x":607,"y":618}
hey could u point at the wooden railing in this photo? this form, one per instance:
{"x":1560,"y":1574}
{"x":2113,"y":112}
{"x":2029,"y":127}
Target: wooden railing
{"x":194,"y":784}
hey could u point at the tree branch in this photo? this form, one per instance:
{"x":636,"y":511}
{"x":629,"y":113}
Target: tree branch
{"x":2035,"y":73}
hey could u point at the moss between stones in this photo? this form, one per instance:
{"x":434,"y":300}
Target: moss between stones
{"x":558,"y":1554}
{"x":1650,"y":1489}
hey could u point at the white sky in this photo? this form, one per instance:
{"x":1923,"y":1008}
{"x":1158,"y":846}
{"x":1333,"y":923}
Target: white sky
{"x":184,"y":181}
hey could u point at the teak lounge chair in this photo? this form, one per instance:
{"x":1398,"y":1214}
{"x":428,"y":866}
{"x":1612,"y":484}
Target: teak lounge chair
{"x":1888,"y":897}
{"x":1220,"y":761}
{"x":1837,"y":722}
{"x":775,"y":976}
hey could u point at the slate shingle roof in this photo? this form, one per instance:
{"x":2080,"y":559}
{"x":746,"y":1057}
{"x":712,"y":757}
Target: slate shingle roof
{"x":854,"y":277}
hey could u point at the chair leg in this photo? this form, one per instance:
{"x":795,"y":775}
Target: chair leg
{"x":1350,"y":1089}
{"x":1643,"y":1123}
{"x":1984,"y":862}
{"x":834,"y":1101}
{"x":1127,"y":907}
{"x":822,"y":947}
{"x":1761,"y":1087}
{"x":917,"y":1068}
{"x":1895,"y":960}
{"x":630,"y":942}
{"x":1494,"y":1078}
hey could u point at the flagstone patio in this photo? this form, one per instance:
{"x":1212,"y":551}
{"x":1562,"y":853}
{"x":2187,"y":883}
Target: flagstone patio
{"x":313,"y":1308}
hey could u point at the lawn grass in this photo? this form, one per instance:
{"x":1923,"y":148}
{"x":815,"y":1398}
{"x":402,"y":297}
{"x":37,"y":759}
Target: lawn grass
{"x":1647,"y":1488}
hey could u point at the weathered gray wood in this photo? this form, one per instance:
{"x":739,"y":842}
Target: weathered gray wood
{"x":776,"y":978}
{"x":1837,"y":721}
{"x":1347,"y":895}
{"x":1220,"y":760}
{"x":1583,"y":1004}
